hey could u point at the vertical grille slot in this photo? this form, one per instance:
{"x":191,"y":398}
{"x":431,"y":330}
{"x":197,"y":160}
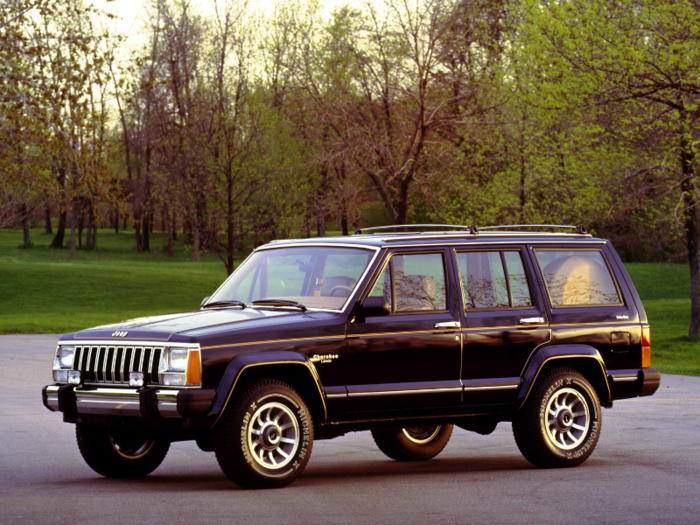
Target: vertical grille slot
{"x":92,"y":358}
{"x":109,"y":365}
{"x":156,"y":363}
{"x":119,"y":366}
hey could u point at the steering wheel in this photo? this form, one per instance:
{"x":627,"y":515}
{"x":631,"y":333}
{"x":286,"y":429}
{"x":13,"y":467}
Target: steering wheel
{"x":340,"y":288}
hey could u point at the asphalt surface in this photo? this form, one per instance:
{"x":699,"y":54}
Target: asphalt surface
{"x":645,"y":469}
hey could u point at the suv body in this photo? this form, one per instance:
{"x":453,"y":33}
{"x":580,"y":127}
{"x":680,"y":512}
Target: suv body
{"x":403,"y":334}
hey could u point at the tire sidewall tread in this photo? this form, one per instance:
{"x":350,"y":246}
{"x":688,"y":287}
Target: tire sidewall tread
{"x":395,"y":445}
{"x":98,"y":452}
{"x":529,"y":428}
{"x":231,"y":436}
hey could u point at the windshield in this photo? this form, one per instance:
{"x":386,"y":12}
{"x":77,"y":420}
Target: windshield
{"x":316,"y":277}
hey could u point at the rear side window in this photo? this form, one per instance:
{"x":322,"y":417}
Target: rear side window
{"x":493,"y":280}
{"x":577,"y":278}
{"x":413,"y":282}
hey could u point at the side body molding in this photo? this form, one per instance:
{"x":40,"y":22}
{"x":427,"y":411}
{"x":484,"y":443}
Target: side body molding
{"x":240,"y":363}
{"x":563,"y":353}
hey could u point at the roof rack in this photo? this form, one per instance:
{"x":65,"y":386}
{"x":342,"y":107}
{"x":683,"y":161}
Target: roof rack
{"x":580,"y":228}
{"x":471,"y":229}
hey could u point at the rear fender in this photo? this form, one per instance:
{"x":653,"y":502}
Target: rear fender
{"x":583,"y":358}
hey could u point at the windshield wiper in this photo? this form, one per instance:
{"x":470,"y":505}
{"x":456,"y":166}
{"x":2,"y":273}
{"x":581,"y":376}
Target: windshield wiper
{"x":225,"y":303}
{"x":279,"y":302}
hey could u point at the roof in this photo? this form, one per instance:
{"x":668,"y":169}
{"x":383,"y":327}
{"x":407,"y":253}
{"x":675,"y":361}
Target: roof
{"x":436,"y":238}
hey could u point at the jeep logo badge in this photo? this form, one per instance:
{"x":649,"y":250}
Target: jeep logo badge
{"x":119,"y":334}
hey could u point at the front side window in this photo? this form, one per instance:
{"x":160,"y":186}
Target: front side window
{"x":493,"y":280}
{"x":413,"y":282}
{"x":577,"y":278}
{"x":317,"y":277}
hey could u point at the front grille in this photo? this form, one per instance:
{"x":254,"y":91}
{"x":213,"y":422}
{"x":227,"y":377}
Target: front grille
{"x":112,"y":364}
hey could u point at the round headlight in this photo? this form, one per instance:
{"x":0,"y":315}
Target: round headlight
{"x":178,"y":359}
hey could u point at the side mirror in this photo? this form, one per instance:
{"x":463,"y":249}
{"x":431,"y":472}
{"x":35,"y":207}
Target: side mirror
{"x":374,"y":307}
{"x":205,"y":301}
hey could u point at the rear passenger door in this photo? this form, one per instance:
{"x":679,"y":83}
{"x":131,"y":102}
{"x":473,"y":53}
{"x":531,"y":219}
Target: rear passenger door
{"x":504,"y":320}
{"x":409,"y":359}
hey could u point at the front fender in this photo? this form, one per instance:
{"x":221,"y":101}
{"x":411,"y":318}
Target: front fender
{"x":572,"y":353}
{"x":238,"y":364}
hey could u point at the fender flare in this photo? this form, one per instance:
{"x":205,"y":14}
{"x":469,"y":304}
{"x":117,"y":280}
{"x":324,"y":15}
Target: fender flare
{"x":240,"y":363}
{"x":558,"y":352}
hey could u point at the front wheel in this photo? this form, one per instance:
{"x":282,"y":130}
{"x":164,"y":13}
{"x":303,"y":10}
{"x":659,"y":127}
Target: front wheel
{"x":560,"y":423}
{"x":264,"y":440}
{"x":118,"y":452}
{"x":413,"y":443}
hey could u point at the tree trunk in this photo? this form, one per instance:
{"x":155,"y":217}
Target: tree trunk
{"x":344,"y":219}
{"x":90,"y":242}
{"x":146,"y":233}
{"x":690,"y":200}
{"x":230,"y":223}
{"x":169,"y":223}
{"x":195,"y":247}
{"x":63,"y":215}
{"x":137,"y":235}
{"x":81,"y":225}
{"x":25,"y":224}
{"x":47,"y":219}
{"x":73,"y":221}
{"x":116,"y":219}
{"x":322,"y":227}
{"x":174,"y":225}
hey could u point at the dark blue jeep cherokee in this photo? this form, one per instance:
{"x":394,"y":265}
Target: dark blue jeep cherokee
{"x":403,"y":334}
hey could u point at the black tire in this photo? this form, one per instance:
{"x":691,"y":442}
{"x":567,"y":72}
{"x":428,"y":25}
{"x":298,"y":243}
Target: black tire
{"x":560,"y":423}
{"x":413,"y":443}
{"x":118,"y":452}
{"x":279,"y":453}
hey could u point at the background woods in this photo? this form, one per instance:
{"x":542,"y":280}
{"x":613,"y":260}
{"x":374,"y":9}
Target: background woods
{"x":232,"y":125}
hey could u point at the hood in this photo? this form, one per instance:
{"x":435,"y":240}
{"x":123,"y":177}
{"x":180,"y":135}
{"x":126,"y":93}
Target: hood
{"x":191,"y":326}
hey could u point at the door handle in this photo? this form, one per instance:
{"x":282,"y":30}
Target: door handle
{"x":532,"y":320}
{"x":448,"y":324}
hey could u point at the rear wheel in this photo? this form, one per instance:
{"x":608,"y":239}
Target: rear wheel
{"x":560,"y":423}
{"x":413,"y":443}
{"x":118,"y":452}
{"x":265,"y":439}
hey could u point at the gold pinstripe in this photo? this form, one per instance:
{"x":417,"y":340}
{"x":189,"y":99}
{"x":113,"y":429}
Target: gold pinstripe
{"x":309,"y":368}
{"x":597,"y":359}
{"x":273,"y":341}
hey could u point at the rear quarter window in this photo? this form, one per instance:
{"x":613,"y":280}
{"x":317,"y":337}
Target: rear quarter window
{"x":577,"y":278}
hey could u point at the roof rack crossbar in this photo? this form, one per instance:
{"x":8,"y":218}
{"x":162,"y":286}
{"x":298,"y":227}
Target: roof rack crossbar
{"x":471,"y":229}
{"x":580,"y":228}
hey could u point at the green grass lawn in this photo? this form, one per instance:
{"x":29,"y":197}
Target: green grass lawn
{"x":45,"y":291}
{"x":665,"y":292}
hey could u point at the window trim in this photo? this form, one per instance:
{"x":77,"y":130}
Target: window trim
{"x":388,"y":262}
{"x":600,"y":250}
{"x":500,"y":251}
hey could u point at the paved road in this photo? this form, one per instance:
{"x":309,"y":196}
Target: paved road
{"x":646,"y":469}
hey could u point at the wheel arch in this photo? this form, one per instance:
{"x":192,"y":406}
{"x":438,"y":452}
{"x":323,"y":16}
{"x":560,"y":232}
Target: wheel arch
{"x":292,"y":368}
{"x":583,"y":358}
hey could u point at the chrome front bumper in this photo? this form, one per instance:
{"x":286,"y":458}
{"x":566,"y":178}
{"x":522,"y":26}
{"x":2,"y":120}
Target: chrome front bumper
{"x":128,"y":401}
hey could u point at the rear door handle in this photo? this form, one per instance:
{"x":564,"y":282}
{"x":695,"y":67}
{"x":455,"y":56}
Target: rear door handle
{"x":532,"y":320}
{"x":448,"y":324}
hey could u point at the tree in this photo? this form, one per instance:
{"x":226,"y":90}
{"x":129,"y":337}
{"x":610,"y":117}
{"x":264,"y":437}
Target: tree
{"x":641,"y":57}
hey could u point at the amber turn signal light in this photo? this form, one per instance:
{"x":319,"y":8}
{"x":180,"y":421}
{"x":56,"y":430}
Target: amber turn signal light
{"x":646,"y":347}
{"x":194,"y":370}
